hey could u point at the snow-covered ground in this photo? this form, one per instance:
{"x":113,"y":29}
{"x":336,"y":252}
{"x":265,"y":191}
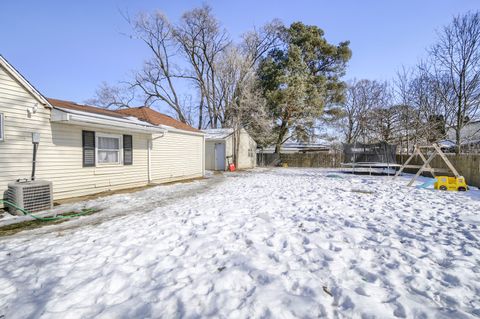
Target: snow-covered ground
{"x":278,"y":243}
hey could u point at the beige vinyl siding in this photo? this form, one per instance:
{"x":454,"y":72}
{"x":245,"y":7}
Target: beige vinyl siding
{"x":16,"y":149}
{"x":246,"y":142}
{"x":63,"y":164}
{"x":60,"y":151}
{"x":177,"y":155}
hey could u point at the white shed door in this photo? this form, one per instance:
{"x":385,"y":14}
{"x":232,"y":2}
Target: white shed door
{"x":219,"y":156}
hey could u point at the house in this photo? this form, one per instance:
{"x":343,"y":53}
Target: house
{"x":85,"y":150}
{"x":469,"y":137}
{"x":220,"y":148}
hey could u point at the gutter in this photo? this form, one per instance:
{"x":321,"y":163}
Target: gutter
{"x":102,"y":121}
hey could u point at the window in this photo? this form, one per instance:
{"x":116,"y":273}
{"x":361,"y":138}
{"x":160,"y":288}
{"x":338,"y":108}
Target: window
{"x":2,"y":137}
{"x":251,"y":153}
{"x":108,"y":149}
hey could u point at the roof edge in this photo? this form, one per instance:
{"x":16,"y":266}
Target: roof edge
{"x":24,"y":82}
{"x":155,"y":117}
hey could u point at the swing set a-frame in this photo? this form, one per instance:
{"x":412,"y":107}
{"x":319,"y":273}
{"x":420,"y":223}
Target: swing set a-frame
{"x":426,"y":167}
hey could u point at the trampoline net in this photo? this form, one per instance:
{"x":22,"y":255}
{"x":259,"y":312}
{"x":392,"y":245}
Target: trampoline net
{"x":369,"y":153}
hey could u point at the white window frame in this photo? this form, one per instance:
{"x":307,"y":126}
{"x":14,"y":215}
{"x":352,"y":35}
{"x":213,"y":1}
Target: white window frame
{"x":2,"y":127}
{"x":120,"y":150}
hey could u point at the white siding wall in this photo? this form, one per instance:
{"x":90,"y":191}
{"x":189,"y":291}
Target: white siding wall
{"x":16,"y":149}
{"x":177,"y":155}
{"x":244,"y":160}
{"x":60,"y":161}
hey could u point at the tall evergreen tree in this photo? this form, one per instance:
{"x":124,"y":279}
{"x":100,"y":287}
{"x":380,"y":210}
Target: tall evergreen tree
{"x":299,"y":78}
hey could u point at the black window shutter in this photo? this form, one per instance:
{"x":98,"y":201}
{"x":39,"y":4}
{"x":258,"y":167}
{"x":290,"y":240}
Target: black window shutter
{"x":127,"y":150}
{"x":88,"y":144}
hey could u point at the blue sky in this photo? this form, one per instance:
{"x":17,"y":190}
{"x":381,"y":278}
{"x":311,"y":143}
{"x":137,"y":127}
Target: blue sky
{"x":67,"y":48}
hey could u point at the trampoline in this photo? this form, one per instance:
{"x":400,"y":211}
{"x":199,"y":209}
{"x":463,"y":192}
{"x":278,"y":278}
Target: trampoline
{"x":376,"y":158}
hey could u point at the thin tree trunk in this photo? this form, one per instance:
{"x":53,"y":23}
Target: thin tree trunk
{"x":200,"y":113}
{"x":281,"y":136}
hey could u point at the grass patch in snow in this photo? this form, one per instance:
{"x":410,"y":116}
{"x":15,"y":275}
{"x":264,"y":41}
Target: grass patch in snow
{"x":12,"y":229}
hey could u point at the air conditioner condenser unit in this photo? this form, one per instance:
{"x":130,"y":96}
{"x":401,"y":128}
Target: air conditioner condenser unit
{"x":33,"y":196}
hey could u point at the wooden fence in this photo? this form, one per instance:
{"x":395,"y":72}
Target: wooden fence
{"x":301,"y":159}
{"x":468,"y":165}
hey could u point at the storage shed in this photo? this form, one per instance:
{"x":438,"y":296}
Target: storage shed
{"x":220,"y":149}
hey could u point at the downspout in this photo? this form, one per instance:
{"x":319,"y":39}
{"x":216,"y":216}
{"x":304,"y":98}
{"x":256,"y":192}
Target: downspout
{"x":149,"y":159}
{"x":203,"y":156}
{"x":149,"y":154}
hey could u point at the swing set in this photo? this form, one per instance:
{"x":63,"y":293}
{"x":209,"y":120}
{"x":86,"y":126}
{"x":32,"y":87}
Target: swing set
{"x":441,"y":182}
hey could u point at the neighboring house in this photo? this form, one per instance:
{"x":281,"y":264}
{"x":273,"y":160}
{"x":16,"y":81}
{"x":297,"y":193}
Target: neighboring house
{"x":220,"y":147}
{"x":86,"y":150}
{"x":469,"y":136}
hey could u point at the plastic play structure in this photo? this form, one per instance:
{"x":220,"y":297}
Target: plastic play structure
{"x":456,"y":183}
{"x":447,"y":183}
{"x":360,"y":156}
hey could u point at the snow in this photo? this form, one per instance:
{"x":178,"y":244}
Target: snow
{"x":279,"y":243}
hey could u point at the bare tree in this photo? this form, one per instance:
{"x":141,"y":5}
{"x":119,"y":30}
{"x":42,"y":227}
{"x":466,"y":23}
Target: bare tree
{"x":221,"y":73}
{"x":113,"y":97}
{"x":382,"y":124}
{"x":407,"y":114}
{"x":432,"y":101}
{"x":456,"y":58}
{"x":157,"y":79}
{"x":202,"y":39}
{"x":240,"y":99}
{"x":361,"y":97}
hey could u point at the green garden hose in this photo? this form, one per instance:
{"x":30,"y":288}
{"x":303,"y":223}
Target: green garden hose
{"x":45,"y":219}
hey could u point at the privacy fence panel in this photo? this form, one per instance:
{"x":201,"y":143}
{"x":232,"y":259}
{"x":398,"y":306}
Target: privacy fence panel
{"x":301,"y":159}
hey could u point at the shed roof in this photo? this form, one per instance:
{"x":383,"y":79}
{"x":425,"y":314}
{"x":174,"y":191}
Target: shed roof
{"x":217,"y":133}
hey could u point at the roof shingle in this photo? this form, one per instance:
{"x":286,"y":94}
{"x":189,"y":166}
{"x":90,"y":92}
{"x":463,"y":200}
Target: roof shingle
{"x":156,"y":118}
{"x":142,"y":113}
{"x":85,"y":108}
